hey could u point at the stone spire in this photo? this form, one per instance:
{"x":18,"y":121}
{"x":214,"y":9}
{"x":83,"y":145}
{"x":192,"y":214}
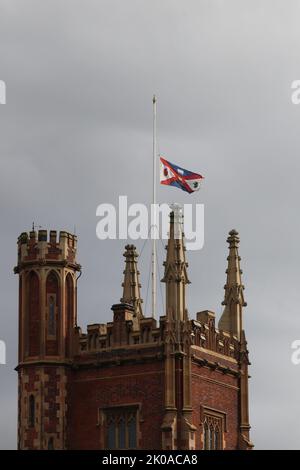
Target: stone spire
{"x":131,"y":284}
{"x":231,"y":319}
{"x":175,"y":275}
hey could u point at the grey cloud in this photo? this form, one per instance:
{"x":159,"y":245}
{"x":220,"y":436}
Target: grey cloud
{"x":76,"y":131}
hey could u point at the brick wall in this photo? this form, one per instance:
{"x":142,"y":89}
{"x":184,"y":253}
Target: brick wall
{"x":94,"y":389}
{"x":213,"y":389}
{"x":48,"y":387}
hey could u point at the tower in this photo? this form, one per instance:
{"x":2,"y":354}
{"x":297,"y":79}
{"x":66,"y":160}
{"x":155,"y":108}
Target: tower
{"x":47,"y":320}
{"x":177,"y":428}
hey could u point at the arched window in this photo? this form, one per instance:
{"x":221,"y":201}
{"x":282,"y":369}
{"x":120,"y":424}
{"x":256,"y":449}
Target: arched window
{"x":51,"y":316}
{"x":111,"y":433}
{"x":50,"y":444}
{"x":132,"y":431}
{"x":121,"y":432}
{"x":211,"y":437}
{"x":217,"y":439}
{"x":205,"y":436}
{"x":69,"y":313}
{"x":214,"y":425}
{"x":31,"y":411}
{"x":34,"y":317}
{"x":52,"y":289}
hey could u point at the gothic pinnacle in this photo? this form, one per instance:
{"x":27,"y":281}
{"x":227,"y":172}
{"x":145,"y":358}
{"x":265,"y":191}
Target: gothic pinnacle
{"x":131,"y":284}
{"x":175,"y":274}
{"x":231,"y":319}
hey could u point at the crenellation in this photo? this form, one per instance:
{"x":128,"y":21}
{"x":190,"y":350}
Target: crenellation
{"x":42,"y":235}
{"x":97,"y":337}
{"x":205,"y":316}
{"x":44,"y":246}
{"x":32,"y":237}
{"x":101,"y":336}
{"x":210,"y":338}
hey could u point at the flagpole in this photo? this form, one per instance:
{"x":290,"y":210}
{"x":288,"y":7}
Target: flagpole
{"x":153,"y":213}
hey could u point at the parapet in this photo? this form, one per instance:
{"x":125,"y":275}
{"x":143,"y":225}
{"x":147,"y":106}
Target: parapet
{"x":205,"y":316}
{"x":208,"y":337}
{"x":45,"y":247}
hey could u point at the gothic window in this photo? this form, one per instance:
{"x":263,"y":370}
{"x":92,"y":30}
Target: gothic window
{"x":111,"y":433}
{"x":69,"y":313}
{"x":217,"y":438}
{"x":132,"y":431}
{"x":211,"y":438}
{"x":122,"y":433}
{"x":33,"y":299}
{"x":50,"y":444}
{"x":213,"y":429}
{"x":52,"y":312}
{"x":51,"y":315}
{"x":205,"y":435}
{"x":31,"y":411}
{"x":120,"y":427}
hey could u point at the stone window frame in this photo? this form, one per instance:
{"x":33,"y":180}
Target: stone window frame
{"x":121,"y":408}
{"x":215,"y":418}
{"x":50,"y":442}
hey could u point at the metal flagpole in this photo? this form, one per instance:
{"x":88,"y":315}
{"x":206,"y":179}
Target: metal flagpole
{"x":153,"y":213}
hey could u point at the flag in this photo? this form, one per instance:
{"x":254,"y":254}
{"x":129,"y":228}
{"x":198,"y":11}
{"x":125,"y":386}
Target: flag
{"x":173,"y":175}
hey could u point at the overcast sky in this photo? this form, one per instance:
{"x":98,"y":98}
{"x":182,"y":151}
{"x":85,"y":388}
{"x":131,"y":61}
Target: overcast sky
{"x":77,"y":131}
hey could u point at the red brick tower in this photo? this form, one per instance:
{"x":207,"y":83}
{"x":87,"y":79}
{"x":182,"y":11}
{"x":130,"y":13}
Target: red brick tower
{"x":47,"y":319}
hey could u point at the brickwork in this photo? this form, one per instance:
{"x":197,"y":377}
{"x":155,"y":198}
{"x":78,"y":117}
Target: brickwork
{"x":93,"y":390}
{"x":213,"y":389}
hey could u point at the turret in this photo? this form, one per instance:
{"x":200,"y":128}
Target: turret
{"x":47,"y":270}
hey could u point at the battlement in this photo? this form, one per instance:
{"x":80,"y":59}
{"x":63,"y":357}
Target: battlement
{"x":46,"y":247}
{"x":125,"y":332}
{"x":207,"y":336}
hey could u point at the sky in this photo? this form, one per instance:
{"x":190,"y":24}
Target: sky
{"x":76,"y":131}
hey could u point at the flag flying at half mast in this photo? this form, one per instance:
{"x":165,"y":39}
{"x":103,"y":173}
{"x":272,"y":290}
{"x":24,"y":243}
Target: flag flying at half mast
{"x":173,"y":175}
